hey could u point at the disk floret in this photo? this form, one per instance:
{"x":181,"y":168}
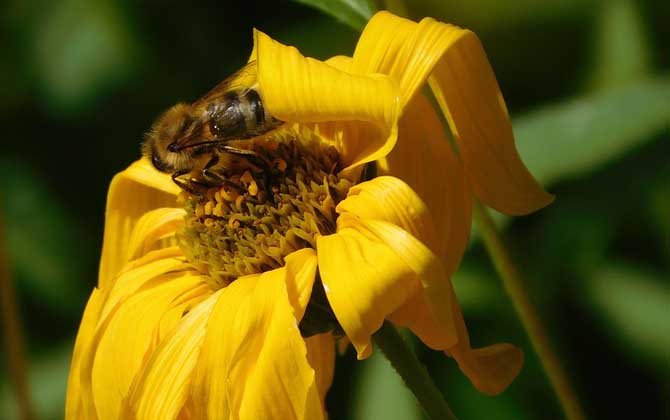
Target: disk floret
{"x":270,"y":206}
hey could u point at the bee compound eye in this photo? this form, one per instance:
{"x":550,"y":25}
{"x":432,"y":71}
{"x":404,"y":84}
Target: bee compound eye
{"x":159,"y":164}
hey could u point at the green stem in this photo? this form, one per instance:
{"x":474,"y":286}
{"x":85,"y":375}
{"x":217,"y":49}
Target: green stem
{"x":413,"y":373}
{"x":16,"y":361}
{"x":526,"y":311}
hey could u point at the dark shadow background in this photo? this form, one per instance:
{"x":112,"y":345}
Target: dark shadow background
{"x":83,"y":80}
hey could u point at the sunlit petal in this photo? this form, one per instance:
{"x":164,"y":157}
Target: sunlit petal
{"x":468,"y":94}
{"x":135,"y":324}
{"x":133,"y":192}
{"x":425,"y":160}
{"x":364,"y":282}
{"x":162,"y":391}
{"x":300,"y":276}
{"x":151,"y":228}
{"x":361,"y":111}
{"x":438,"y":299}
{"x":254,"y":361}
{"x":73,"y":404}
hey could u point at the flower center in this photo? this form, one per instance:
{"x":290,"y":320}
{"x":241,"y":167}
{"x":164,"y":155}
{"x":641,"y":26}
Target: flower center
{"x":268,"y":206}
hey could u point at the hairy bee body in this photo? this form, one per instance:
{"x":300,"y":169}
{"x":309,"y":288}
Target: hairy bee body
{"x":197,"y":142}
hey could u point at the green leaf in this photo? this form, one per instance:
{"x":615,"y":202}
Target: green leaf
{"x":381,"y":394}
{"x":581,"y":135}
{"x":622,"y":51}
{"x":354,"y":13}
{"x":80,"y":48}
{"x":634,"y":304}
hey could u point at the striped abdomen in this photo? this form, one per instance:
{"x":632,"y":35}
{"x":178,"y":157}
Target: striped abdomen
{"x":240,"y":115}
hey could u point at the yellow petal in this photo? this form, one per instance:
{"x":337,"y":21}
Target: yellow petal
{"x":468,"y":94}
{"x":163,"y":389}
{"x":391,"y":199}
{"x":433,"y":319}
{"x":129,"y":281}
{"x":129,"y":339}
{"x":340,"y":62}
{"x":364,"y":282}
{"x":73,"y":404}
{"x":321,"y":356}
{"x":253,"y":363}
{"x":425,"y":160}
{"x":490,"y":369}
{"x":303,"y":90}
{"x":300,"y":275}
{"x":133,"y":192}
{"x":151,"y":228}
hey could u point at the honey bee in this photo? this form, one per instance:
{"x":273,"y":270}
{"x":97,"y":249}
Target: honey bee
{"x":197,"y":142}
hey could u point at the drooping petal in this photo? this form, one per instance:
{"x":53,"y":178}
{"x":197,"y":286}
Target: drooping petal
{"x":132,"y":193}
{"x":162,"y":391}
{"x":321,"y":356}
{"x":364,"y":281}
{"x":359,"y":112}
{"x":466,"y":89}
{"x":130,"y":337}
{"x":73,"y":403}
{"x":253,"y":360}
{"x":432,"y":317}
{"x":425,"y":160}
{"x":490,"y":369}
{"x":436,"y":317}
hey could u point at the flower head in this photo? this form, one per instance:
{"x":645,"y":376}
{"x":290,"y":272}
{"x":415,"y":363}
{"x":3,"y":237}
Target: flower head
{"x":226,"y":305}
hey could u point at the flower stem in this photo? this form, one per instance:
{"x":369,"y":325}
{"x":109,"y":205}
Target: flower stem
{"x":526,"y":311}
{"x":12,"y":328}
{"x":413,"y":373}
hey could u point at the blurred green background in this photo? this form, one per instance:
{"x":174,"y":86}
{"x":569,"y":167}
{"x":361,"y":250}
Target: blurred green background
{"x":587,"y":83}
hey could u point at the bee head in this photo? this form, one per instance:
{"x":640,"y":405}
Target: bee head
{"x":159,"y":146}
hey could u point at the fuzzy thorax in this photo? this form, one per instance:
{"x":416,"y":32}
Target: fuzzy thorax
{"x":264,"y":212}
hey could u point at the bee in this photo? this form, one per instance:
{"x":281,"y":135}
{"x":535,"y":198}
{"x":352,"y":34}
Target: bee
{"x":196,"y":142}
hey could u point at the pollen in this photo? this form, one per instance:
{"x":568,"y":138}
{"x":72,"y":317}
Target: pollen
{"x":264,"y":212}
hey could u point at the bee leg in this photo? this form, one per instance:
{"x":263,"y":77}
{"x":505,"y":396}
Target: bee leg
{"x":187,"y":185}
{"x":253,"y":157}
{"x":215,"y":179}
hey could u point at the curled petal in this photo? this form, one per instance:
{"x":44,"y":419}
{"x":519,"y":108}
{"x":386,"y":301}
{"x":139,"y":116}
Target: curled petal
{"x":425,"y":160}
{"x":364,"y":282}
{"x":490,"y":369}
{"x":360,"y":112}
{"x":253,"y":360}
{"x":433,"y":317}
{"x":132,"y":193}
{"x":468,"y":94}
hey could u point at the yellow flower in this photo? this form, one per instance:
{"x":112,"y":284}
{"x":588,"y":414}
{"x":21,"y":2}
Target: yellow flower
{"x":168,"y":334}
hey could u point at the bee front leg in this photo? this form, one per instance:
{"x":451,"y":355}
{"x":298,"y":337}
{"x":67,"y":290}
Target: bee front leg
{"x":188,"y":185}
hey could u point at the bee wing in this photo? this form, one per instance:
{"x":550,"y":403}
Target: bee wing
{"x":241,"y":80}
{"x":199,"y":133}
